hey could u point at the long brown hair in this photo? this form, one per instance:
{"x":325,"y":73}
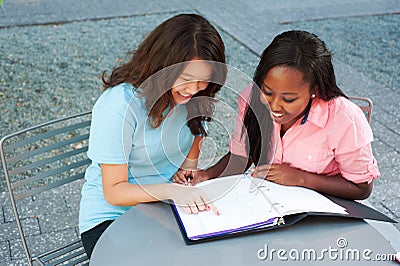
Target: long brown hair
{"x":176,"y":40}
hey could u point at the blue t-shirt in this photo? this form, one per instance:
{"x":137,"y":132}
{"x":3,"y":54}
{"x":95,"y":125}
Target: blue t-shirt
{"x":120,"y":133}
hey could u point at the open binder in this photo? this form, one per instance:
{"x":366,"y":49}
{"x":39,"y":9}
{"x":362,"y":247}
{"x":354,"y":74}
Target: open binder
{"x":249,"y":205}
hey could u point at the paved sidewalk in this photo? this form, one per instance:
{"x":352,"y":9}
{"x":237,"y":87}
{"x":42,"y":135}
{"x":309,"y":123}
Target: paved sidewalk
{"x":247,"y":29}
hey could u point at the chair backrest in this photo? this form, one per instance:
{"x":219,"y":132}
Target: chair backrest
{"x":365,"y":104}
{"x":44,"y":166}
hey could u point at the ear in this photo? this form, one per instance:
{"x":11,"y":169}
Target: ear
{"x":314,"y":92}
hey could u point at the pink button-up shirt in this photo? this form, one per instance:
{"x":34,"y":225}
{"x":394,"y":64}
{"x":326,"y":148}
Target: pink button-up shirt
{"x":335,"y":138}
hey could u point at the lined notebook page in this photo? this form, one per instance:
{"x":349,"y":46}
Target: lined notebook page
{"x":291,"y":200}
{"x":237,"y":206}
{"x":243,"y":203}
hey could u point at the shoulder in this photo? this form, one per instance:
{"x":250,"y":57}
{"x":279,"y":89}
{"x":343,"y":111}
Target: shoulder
{"x":120,"y":93}
{"x":344,"y":110}
{"x":119,"y":97}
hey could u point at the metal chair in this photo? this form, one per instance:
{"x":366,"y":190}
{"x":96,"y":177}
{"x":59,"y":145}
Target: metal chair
{"x":41,"y":163}
{"x":365,"y":104}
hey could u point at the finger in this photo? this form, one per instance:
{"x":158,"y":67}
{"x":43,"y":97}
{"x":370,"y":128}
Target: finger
{"x":181,"y":178}
{"x":193,"y":208}
{"x":264,"y":167}
{"x":187,"y":209}
{"x":201,"y":206}
{"x":186,"y":172}
{"x":199,"y":176}
{"x":210,"y":205}
{"x":272,"y":178}
{"x":259,"y":173}
{"x":213,"y":208}
{"x":195,"y":181}
{"x":176,"y":179}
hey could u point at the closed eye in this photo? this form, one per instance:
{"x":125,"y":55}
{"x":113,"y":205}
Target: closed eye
{"x":267,"y":93}
{"x":289,"y":100}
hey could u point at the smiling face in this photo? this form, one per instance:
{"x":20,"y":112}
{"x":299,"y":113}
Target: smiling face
{"x":194,"y":78}
{"x":287,"y":94}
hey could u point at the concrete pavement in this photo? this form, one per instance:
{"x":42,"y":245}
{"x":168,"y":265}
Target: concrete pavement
{"x":252,"y":25}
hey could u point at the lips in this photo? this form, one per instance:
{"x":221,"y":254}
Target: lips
{"x":277,"y":114}
{"x":185,"y":96}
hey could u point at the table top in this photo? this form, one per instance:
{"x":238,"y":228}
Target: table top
{"x":149,"y":234}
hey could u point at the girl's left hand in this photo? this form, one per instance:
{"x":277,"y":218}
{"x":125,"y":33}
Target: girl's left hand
{"x":181,"y":177}
{"x":282,"y":174}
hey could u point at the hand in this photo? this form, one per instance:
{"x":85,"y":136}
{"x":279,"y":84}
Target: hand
{"x":199,"y":176}
{"x":181,"y":177}
{"x":282,"y":174}
{"x":192,"y":199}
{"x":190,"y":177}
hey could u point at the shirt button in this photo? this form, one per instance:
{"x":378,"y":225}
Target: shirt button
{"x":309,"y":157}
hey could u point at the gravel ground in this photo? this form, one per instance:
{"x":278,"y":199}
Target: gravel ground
{"x":51,"y":71}
{"x":370,"y":44}
{"x":55,"y":70}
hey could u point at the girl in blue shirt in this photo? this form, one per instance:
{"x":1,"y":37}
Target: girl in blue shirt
{"x":149,"y":121}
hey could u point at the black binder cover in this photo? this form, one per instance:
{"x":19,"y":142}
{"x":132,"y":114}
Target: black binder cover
{"x":355,"y":210}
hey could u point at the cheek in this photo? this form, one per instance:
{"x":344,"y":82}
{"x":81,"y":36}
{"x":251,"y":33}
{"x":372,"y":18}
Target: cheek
{"x":296,"y":109}
{"x":203,"y":85}
{"x":263,"y":99}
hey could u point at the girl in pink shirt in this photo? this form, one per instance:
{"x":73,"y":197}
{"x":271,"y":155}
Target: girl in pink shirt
{"x":297,"y":126}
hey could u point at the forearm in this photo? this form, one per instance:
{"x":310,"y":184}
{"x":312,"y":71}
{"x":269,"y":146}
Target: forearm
{"x":229,"y":164}
{"x":127,"y":194}
{"x":193,"y":155}
{"x":335,"y":185}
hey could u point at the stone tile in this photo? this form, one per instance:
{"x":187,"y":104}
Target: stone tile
{"x":8,"y":211}
{"x":5,"y":254}
{"x":56,"y":11}
{"x":73,"y":201}
{"x":72,"y":188}
{"x":59,"y":221}
{"x":29,"y":208}
{"x":19,"y":262}
{"x":387,"y":136}
{"x":393,"y":206}
{"x":4,"y":198}
{"x":2,"y":219}
{"x":389,"y":176}
{"x":10,"y":230}
{"x":42,"y":243}
{"x":388,"y":159}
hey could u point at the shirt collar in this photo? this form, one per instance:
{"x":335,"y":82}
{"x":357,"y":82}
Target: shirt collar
{"x":317,"y":114}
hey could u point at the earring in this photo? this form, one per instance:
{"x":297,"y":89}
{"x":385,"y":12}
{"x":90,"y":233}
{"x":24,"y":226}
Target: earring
{"x":313,"y":96}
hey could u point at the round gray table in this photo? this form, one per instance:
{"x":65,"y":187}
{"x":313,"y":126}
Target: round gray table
{"x":148,"y":234}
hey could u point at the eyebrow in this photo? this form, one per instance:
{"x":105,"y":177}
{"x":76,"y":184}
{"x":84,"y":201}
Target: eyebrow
{"x":285,"y":93}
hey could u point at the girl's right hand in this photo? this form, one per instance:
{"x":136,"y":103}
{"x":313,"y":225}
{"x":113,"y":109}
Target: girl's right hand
{"x":192,"y":199}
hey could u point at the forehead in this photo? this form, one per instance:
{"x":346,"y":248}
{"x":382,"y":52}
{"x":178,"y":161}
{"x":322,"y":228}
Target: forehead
{"x":285,"y":79}
{"x":198,"y":69}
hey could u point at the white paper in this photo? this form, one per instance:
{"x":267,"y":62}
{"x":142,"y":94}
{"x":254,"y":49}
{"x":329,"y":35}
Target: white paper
{"x":243,"y":202}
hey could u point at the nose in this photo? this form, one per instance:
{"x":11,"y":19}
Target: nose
{"x":193,"y":87}
{"x":275,"y":103}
